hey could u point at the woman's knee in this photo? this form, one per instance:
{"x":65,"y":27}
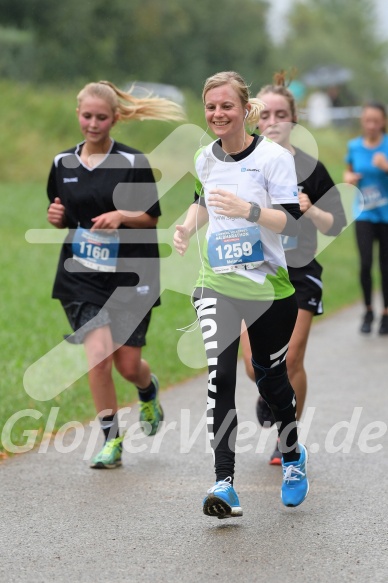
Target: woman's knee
{"x":294,"y":362}
{"x":128,"y":363}
{"x":130,"y":373}
{"x":99,"y":348}
{"x":99,"y":360}
{"x":274,"y":385}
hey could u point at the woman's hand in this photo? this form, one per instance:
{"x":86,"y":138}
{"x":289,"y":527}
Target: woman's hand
{"x":181,"y":239}
{"x":352,"y":177}
{"x":228,"y":204}
{"x":379,"y":160}
{"x":323,"y":220}
{"x":304,"y":202}
{"x":107,"y":221}
{"x":56,"y":214}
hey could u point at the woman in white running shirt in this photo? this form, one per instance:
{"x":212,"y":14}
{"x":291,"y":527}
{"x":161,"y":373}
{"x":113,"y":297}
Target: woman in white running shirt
{"x":246,"y":189}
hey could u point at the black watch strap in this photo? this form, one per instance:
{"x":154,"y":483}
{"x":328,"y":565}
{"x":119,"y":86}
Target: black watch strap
{"x":254,"y":213}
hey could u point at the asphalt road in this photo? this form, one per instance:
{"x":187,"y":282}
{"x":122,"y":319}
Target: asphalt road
{"x":63,"y":522}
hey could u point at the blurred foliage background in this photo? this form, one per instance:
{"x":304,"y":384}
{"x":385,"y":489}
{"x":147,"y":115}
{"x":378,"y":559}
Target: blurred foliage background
{"x":181,"y":43}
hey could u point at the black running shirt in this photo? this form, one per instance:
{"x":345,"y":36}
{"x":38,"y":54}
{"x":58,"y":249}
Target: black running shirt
{"x":122,"y":181}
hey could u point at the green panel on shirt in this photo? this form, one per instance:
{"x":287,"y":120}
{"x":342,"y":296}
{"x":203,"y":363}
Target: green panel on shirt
{"x":275,"y":287}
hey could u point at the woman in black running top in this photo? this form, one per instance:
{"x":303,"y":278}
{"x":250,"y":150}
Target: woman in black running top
{"x":108,"y":280}
{"x":320,"y":203}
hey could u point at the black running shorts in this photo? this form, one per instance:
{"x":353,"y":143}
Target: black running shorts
{"x":307,"y":282}
{"x":125,"y":327}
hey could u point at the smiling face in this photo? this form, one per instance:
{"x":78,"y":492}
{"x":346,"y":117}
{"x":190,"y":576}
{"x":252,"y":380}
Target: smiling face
{"x":225,"y":114}
{"x":96,"y":119}
{"x":276,"y":120}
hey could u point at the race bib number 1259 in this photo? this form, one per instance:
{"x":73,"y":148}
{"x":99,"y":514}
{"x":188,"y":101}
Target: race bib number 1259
{"x":235,"y":249}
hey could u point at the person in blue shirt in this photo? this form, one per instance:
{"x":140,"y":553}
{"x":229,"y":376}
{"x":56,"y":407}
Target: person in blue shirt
{"x":367,"y":168}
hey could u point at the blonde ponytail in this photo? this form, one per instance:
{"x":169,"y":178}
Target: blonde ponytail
{"x":254,"y":113}
{"x":128,"y":107}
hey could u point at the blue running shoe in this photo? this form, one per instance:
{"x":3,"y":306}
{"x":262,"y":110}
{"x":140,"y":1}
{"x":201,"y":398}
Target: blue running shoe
{"x":295,"y":483}
{"x":222,"y":500}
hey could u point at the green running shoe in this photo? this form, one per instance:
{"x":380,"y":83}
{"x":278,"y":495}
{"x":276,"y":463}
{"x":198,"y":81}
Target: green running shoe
{"x":110,"y":455}
{"x":151,"y":412}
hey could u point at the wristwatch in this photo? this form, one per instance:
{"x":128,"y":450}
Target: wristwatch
{"x":254,"y":213}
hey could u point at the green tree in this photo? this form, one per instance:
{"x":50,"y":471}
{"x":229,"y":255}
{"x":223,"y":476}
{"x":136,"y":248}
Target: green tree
{"x":341,"y":32}
{"x":191,"y":41}
{"x":16,"y":53}
{"x":177,"y":42}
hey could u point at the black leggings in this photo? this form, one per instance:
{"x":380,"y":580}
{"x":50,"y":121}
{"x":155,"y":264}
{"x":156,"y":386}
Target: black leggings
{"x":366,"y":234}
{"x":269,"y":325}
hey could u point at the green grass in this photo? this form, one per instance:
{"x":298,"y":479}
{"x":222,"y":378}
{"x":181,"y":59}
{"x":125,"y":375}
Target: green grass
{"x":38,"y":125}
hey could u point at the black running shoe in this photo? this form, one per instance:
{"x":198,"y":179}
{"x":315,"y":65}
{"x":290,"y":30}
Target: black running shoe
{"x":383,"y":325}
{"x":366,"y":325}
{"x":264,"y":413}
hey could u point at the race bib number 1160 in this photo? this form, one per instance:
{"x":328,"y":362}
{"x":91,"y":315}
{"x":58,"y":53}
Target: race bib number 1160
{"x":96,"y":250}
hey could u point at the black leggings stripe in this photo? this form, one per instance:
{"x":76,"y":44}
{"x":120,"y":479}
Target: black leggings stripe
{"x":269,"y":325}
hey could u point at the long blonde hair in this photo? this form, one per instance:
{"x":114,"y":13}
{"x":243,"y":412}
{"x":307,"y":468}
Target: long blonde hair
{"x":242,"y":89}
{"x":129,"y":107}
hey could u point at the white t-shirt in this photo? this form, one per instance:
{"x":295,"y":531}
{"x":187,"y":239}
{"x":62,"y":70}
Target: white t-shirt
{"x":242,"y":259}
